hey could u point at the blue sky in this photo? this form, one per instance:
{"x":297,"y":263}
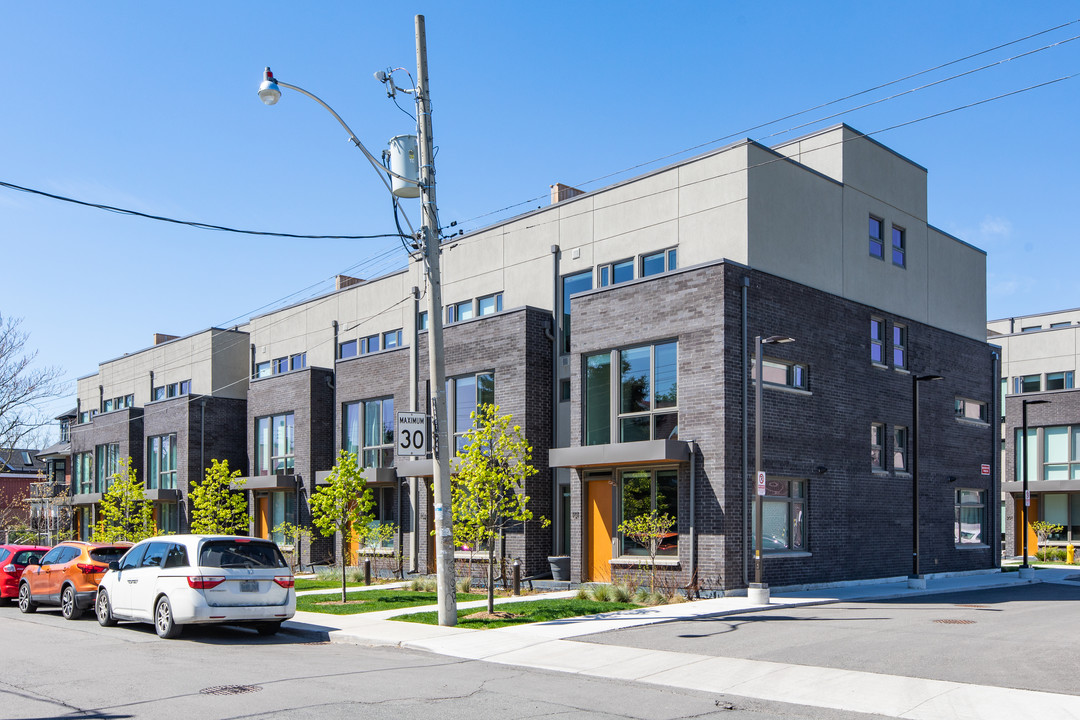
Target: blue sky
{"x":153,"y":107}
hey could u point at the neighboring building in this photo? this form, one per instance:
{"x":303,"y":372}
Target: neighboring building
{"x":19,"y":470}
{"x":615,"y":326}
{"x":50,"y":498}
{"x":1040,"y":356}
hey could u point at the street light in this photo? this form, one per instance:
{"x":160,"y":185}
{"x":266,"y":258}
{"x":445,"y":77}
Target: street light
{"x":1027,"y":499}
{"x":916,"y":579}
{"x":270,"y":93}
{"x":759,"y":590}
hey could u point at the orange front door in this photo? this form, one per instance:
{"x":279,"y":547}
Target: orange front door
{"x":262,"y":503}
{"x":598,"y":506}
{"x":1033,"y":515}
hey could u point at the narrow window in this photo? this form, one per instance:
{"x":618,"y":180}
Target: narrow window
{"x":877,"y":344}
{"x":900,"y":439}
{"x":898,"y":246}
{"x":572,"y":284}
{"x":422,"y":321}
{"x":899,"y":350}
{"x":877,"y":446}
{"x":877,"y":241}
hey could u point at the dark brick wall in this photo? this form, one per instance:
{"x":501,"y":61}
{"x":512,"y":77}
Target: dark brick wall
{"x":858,"y":523}
{"x":309,"y":395}
{"x":124,"y":427}
{"x":1063,"y":408}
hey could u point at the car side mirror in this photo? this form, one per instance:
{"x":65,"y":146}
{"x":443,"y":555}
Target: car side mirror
{"x":114,"y":565}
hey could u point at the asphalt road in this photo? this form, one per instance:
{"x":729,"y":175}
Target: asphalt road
{"x":1023,"y":637}
{"x":53,"y":668}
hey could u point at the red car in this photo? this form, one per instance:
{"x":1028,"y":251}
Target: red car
{"x":13,"y":560}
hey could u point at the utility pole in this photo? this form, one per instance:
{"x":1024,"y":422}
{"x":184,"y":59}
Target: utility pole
{"x":444,"y":533}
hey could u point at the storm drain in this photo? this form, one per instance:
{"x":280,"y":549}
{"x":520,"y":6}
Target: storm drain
{"x":230,"y":689}
{"x":952,"y":621}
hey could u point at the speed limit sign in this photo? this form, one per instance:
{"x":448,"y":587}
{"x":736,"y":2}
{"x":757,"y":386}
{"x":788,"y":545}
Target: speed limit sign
{"x":412,"y":433}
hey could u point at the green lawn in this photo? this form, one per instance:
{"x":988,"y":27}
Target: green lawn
{"x":527,"y":612}
{"x":315,"y":584}
{"x":374,"y":600}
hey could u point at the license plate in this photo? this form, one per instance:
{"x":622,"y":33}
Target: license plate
{"x":249,"y":586}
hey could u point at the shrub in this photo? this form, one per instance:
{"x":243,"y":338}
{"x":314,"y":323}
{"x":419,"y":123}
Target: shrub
{"x":427,"y":583}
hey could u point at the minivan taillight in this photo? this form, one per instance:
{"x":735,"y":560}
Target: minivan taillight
{"x":91,"y":569}
{"x":285,"y":581}
{"x":204,"y":582}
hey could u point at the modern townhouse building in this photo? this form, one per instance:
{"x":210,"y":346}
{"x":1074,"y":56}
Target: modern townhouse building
{"x":616,"y":326}
{"x":1040,"y":356}
{"x":171,"y":408}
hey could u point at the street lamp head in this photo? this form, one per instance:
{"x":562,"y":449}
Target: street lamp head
{"x":269,"y":92}
{"x":921,"y":378}
{"x":777,"y":340}
{"x":1036,"y":402}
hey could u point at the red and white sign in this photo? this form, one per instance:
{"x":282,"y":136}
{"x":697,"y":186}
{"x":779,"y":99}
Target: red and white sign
{"x":761,"y":483}
{"x":1027,"y":498}
{"x":986,"y":468}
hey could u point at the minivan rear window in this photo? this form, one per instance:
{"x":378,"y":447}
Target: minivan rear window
{"x":241,"y":554}
{"x":107,"y":554}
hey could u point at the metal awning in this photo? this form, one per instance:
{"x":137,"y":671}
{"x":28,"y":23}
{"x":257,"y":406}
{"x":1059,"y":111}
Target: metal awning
{"x":268,"y":482}
{"x":646,"y":452}
{"x":371,"y":475}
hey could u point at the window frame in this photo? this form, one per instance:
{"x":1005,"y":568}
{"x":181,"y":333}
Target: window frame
{"x":370,"y":344}
{"x":655,"y":494}
{"x":668,"y":260}
{"x":900,"y":346}
{"x":265,"y":452}
{"x":566,"y":296}
{"x":877,"y":442}
{"x":352,"y":347}
{"x":456,"y":429}
{"x":496,"y":300}
{"x":900,"y":449}
{"x":1066,"y":380}
{"x":959,"y":506}
{"x":877,"y":242}
{"x":899,"y":250}
{"x":157,"y":477}
{"x":381,"y":452}
{"x":877,"y":340}
{"x":796,"y":525}
{"x":606,"y":272}
{"x":395,"y":336}
{"x":615,"y":395}
{"x":796,"y":374}
{"x":962,"y":404}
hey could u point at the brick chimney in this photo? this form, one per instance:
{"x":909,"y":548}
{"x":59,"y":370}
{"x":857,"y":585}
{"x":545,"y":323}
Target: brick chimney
{"x":163,"y":338}
{"x":560,"y":192}
{"x":344,"y":281}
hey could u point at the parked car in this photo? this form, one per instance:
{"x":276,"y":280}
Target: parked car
{"x":68,"y":576}
{"x":13,"y":560}
{"x":178,"y":580}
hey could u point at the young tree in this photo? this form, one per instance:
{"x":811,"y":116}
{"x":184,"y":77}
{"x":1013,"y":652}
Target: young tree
{"x":22,"y":386}
{"x":649,"y":529}
{"x":488,"y":493}
{"x":217,"y":509}
{"x":1043,"y":530}
{"x":126,"y":514}
{"x":294,"y":534}
{"x":343,"y":505}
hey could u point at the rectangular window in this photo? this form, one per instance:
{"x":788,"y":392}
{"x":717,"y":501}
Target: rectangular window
{"x":106,"y":464}
{"x":615,"y":273}
{"x":379,"y":421}
{"x":347,"y":349}
{"x":783,"y":509}
{"x":780,"y":372}
{"x":1059,"y":380}
{"x":564,"y":391}
{"x":490,"y":305}
{"x":369,"y":344}
{"x":261,"y":370}
{"x":422,"y":321}
{"x":281,"y":509}
{"x":1032,"y":328}
{"x":645,"y":389}
{"x":877,"y":238}
{"x":168,"y":520}
{"x":350,"y":428}
{"x":185,"y":387}
{"x":572,"y":284}
{"x":645,"y":491}
{"x":466,"y":395}
{"x":83,"y":473}
{"x":970,"y":517}
{"x":459,"y":312}
{"x":298,"y":361}
{"x":281,"y":365}
{"x":161,"y":462}
{"x":877,"y":446}
{"x":383,"y":512}
{"x":172,"y":390}
{"x":971,"y":410}
{"x":877,"y":341}
{"x":1027,"y":384}
{"x":108,"y":406}
{"x":1026,"y":452}
{"x":659,"y":262}
{"x":391,"y":339}
{"x":900,"y":439}
{"x":274,"y":453}
{"x":1060,"y":325}
{"x":899,"y":348}
{"x":898,"y":246}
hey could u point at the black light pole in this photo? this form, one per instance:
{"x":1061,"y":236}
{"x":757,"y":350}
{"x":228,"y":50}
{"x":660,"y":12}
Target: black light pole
{"x":760,"y":588}
{"x":915,"y":380}
{"x":1024,"y":444}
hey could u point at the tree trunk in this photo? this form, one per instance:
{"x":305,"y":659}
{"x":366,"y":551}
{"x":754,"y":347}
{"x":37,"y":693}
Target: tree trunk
{"x":491,"y":578}
{"x":342,"y":555}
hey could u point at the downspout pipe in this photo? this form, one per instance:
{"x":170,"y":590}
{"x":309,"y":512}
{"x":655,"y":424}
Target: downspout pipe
{"x":744,"y":479}
{"x":556,"y":349}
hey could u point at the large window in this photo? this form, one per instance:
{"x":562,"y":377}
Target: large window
{"x":465,"y":395}
{"x":970,"y":520}
{"x":274,"y":452}
{"x":83,"y":473}
{"x":161,"y":462}
{"x":643,"y":491}
{"x":377,"y":419}
{"x":106,"y":464}
{"x":383,"y":511}
{"x":280,"y":508}
{"x":877,"y":239}
{"x":571,"y":285}
{"x":783,"y":508}
{"x":645,"y":389}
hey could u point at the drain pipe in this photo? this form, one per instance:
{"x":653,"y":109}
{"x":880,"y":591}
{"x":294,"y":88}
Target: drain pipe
{"x":745,"y":421}
{"x":555,"y":336}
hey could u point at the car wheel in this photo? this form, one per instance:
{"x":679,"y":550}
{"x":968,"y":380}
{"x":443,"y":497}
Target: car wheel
{"x":69,"y":606}
{"x":268,"y":628}
{"x":163,"y":620}
{"x":104,"y":610}
{"x":26,"y":603}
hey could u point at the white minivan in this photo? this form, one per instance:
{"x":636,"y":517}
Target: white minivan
{"x":177,"y":580}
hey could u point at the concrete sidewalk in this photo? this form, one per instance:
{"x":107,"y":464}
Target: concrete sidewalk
{"x":550,"y":646}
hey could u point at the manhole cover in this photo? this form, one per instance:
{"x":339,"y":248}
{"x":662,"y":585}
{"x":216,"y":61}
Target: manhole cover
{"x":972,"y":606}
{"x":230,"y":690}
{"x":950,"y":621}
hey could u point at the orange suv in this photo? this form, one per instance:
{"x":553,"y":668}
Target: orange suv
{"x":68,"y":576}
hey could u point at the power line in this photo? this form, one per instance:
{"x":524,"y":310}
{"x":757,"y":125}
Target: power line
{"x":190,"y":223}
